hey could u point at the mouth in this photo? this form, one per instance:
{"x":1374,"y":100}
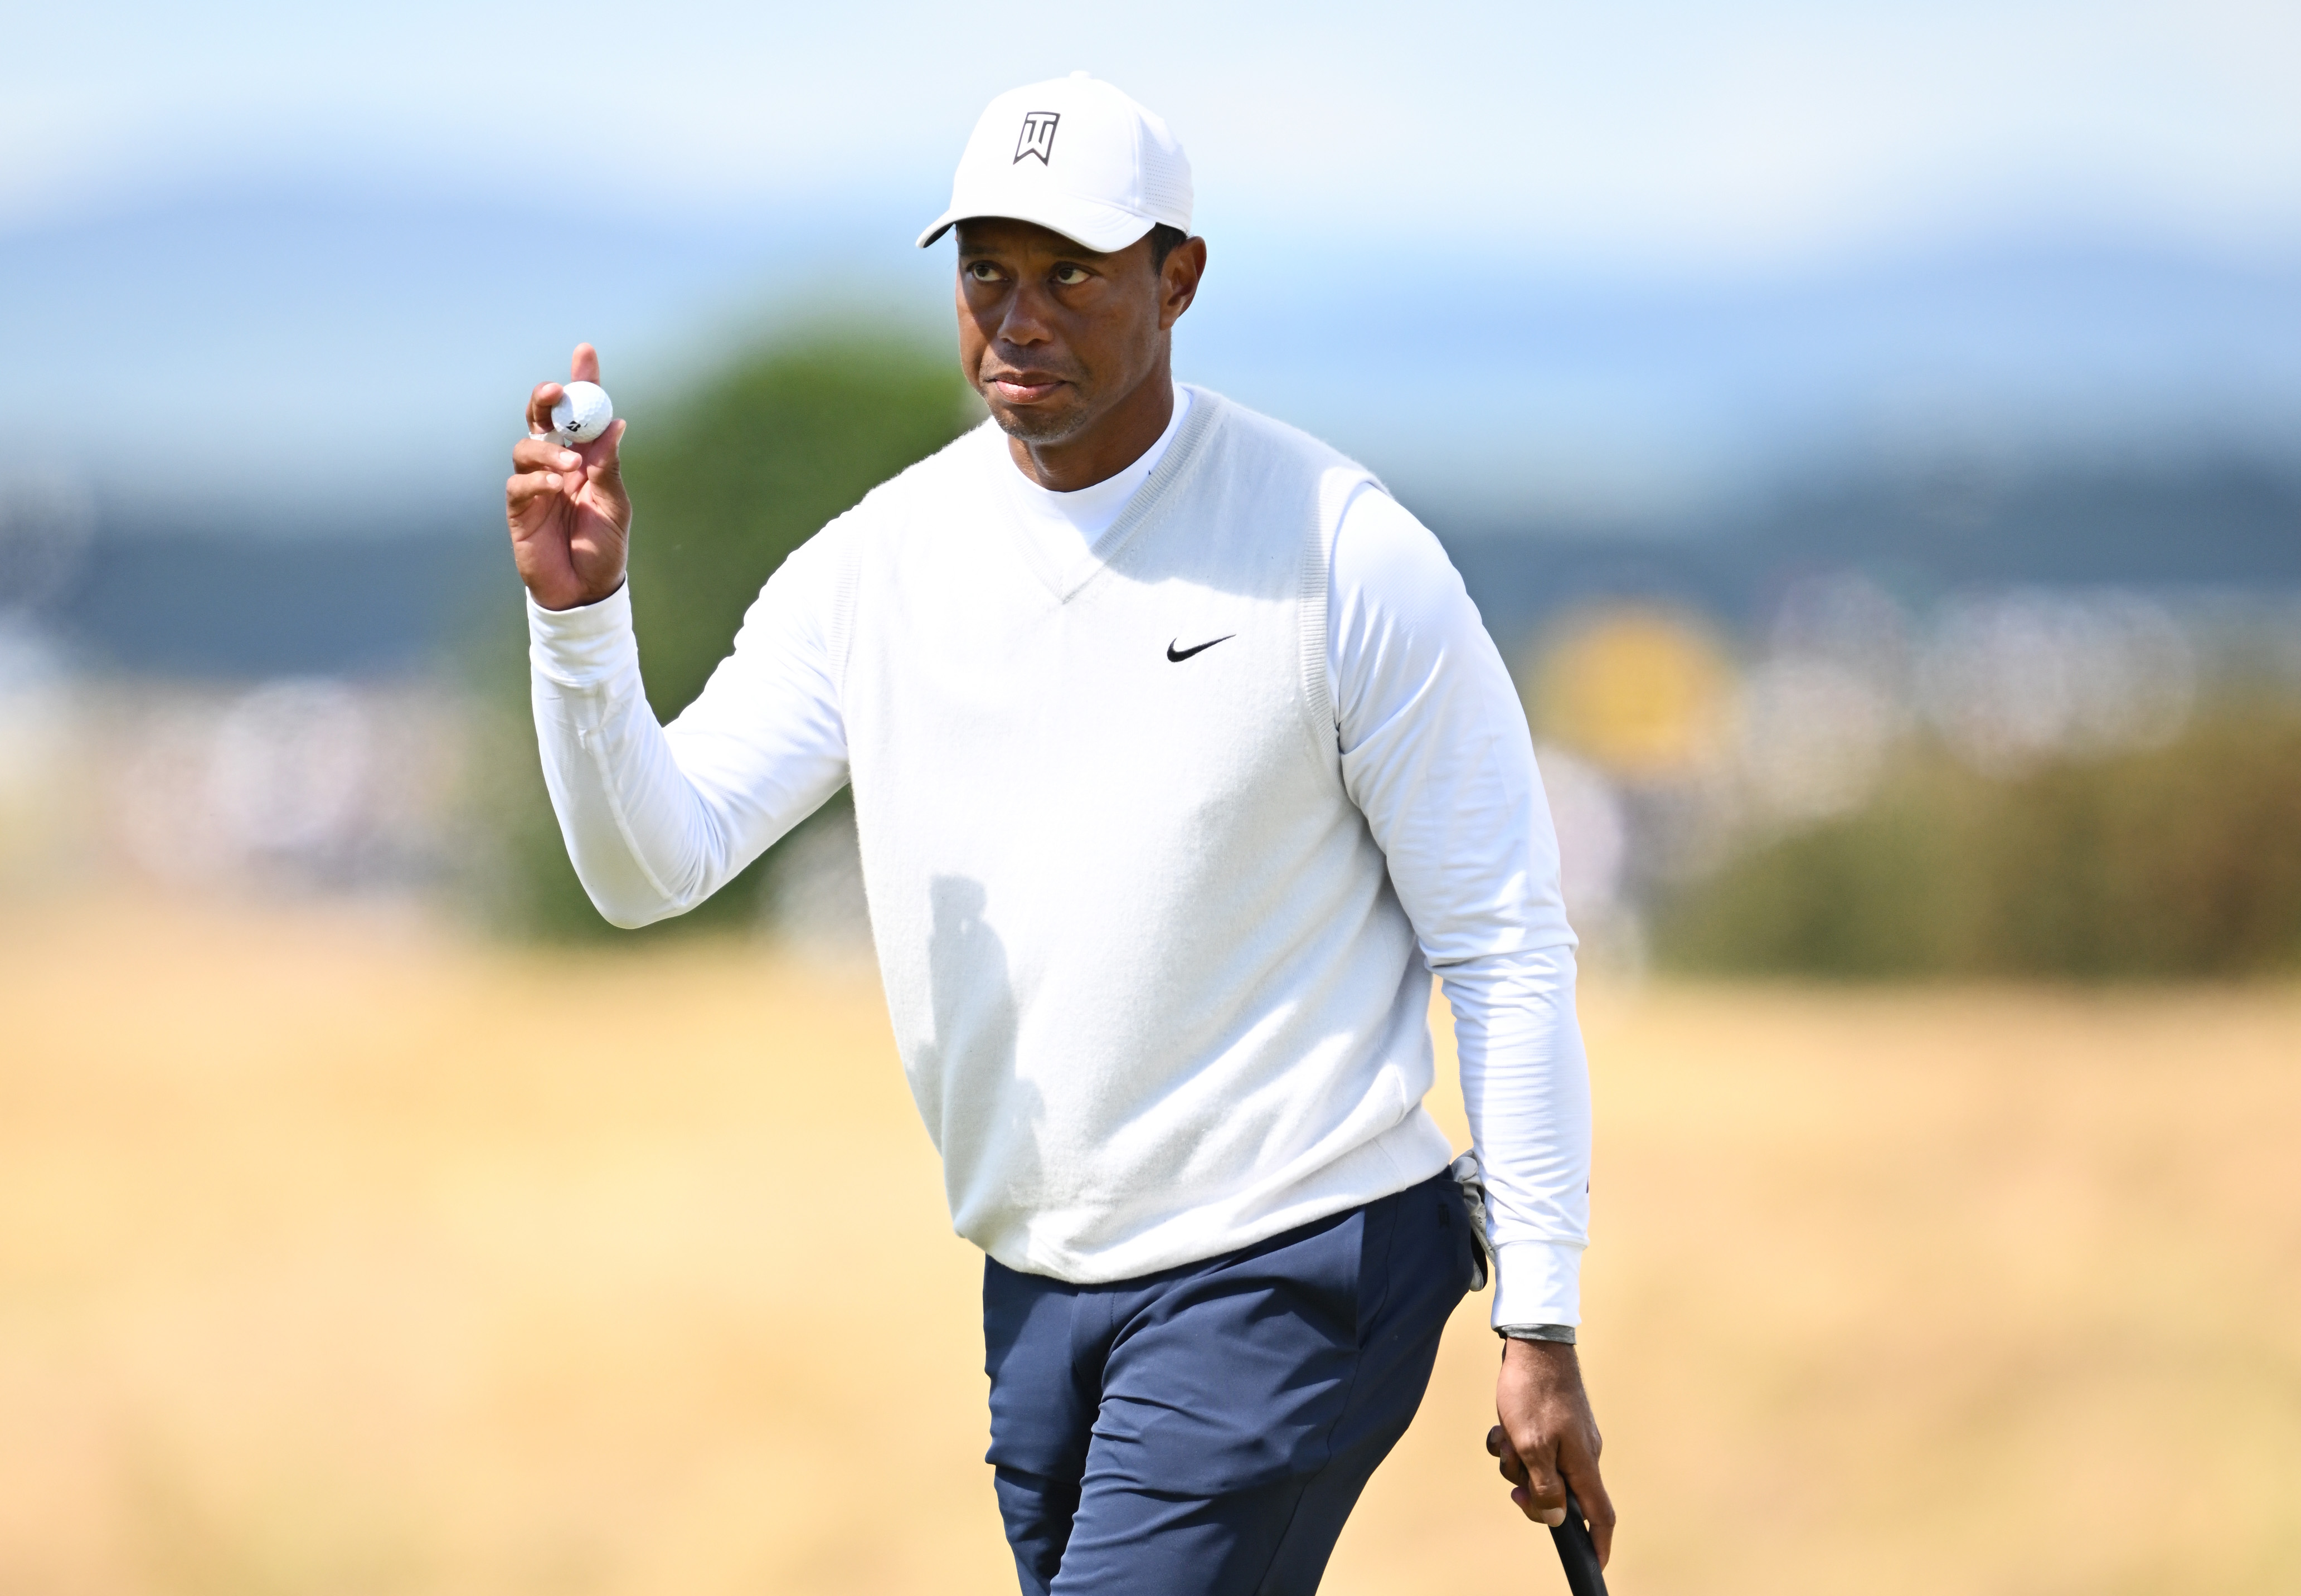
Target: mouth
{"x":1023,"y":387}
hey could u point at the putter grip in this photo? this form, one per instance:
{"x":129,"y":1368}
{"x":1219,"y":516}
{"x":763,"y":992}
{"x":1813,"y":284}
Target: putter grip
{"x":1578,"y":1553}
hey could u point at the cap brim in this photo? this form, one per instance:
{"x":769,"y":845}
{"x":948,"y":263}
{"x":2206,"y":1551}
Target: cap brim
{"x":1101,"y":227}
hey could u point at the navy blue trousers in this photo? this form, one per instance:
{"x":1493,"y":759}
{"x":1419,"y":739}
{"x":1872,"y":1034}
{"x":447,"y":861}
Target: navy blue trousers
{"x":1206,"y":1430}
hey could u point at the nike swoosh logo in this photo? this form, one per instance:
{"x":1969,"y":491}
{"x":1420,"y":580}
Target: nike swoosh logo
{"x":1178,"y":659}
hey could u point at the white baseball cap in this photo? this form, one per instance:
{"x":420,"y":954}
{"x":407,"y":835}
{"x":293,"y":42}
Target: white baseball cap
{"x":1075,"y":154}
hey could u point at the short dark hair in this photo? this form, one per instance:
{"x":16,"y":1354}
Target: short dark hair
{"x":1163,"y":240}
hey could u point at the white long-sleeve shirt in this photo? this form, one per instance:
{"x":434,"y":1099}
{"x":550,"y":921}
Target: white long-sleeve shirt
{"x":1434,"y":751}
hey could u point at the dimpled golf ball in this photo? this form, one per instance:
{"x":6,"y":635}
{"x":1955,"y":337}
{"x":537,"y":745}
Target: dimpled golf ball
{"x":582,"y":413}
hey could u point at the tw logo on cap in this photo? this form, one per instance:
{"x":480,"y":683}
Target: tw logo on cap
{"x":1038,"y":136}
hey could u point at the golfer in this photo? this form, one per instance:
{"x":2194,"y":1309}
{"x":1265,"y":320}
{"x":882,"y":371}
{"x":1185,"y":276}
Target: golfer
{"x":1181,"y":760}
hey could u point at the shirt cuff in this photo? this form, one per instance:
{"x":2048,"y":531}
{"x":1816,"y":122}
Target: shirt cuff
{"x":1538,"y":1283}
{"x":585,"y":647}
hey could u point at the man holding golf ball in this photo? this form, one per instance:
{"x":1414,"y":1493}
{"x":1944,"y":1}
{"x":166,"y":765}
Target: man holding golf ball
{"x":1180,"y":760}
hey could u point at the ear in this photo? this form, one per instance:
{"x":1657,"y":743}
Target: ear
{"x":1178,"y":281}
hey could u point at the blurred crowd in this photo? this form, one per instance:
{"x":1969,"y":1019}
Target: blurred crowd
{"x":1671,"y":746}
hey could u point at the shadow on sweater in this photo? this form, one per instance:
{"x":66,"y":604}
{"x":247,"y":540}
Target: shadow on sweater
{"x":972,"y":1061}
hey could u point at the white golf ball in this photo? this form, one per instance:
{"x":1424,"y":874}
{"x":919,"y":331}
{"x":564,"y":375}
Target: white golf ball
{"x":582,"y":413}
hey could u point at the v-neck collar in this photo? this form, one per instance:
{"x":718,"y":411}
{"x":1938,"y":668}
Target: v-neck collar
{"x":1064,"y":578}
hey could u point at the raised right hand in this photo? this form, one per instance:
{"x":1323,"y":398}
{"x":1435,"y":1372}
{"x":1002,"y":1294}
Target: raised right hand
{"x":571,"y":519}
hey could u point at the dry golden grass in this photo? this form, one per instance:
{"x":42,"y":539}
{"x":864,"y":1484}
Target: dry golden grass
{"x":348,"y":1261}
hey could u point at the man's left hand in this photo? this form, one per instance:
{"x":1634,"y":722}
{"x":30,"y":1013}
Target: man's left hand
{"x":1547,"y":1439}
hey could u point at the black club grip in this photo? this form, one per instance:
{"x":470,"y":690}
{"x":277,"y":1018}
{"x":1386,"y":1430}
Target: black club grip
{"x":1577,"y":1553}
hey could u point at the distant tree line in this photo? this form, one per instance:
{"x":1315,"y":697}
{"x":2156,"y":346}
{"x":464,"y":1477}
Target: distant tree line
{"x":2183,"y":861}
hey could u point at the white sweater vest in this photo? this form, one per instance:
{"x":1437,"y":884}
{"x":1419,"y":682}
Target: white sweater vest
{"x":1153,"y":992}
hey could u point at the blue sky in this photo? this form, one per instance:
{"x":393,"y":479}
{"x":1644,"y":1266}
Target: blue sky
{"x":1692,"y":236}
{"x":1654,"y":133}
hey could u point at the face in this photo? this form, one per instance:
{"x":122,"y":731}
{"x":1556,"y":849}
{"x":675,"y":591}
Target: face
{"x":1055,"y":336}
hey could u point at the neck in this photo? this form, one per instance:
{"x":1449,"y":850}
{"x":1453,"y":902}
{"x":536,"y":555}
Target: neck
{"x":1116,"y":439}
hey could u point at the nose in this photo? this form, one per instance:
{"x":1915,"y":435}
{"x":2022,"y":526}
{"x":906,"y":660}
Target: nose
{"x":1023,"y":324}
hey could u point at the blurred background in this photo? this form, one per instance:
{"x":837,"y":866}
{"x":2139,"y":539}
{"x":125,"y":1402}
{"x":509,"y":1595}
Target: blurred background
{"x":1872,"y":434}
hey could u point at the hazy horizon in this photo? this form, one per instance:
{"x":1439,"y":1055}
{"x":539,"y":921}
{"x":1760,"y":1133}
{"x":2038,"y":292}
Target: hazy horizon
{"x":233,"y":334}
{"x":1527,"y":261}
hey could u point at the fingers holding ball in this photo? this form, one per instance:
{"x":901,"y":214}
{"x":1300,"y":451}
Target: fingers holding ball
{"x":581,"y":414}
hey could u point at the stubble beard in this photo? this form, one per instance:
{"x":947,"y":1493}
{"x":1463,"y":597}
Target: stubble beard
{"x":1038,"y":426}
{"x":1031,"y":425}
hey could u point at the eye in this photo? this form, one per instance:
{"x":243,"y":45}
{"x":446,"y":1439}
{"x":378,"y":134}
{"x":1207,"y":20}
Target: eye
{"x":981,"y":272}
{"x":1069,"y":276}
